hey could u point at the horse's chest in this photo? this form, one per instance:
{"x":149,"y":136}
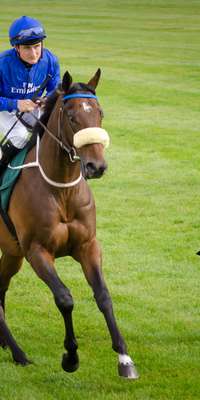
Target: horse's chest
{"x":68,"y":235}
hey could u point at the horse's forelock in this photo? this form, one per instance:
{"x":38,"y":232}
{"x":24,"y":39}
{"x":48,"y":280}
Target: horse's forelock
{"x":79,"y":86}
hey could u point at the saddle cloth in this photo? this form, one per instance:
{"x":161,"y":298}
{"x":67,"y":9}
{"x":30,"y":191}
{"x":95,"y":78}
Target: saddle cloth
{"x":10,"y":177}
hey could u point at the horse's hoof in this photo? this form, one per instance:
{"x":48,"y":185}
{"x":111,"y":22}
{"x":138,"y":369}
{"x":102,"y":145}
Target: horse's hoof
{"x":126,"y":368}
{"x":24,"y":363}
{"x":70,"y":362}
{"x":21,"y":359}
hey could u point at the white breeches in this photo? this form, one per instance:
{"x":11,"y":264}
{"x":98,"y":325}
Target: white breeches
{"x":19,"y":135}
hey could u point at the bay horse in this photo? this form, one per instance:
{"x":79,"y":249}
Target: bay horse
{"x":53,"y":212}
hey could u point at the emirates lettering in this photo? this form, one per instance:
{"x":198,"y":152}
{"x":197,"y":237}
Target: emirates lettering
{"x":24,"y":90}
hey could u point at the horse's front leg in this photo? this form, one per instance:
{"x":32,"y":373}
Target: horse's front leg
{"x":90,"y":258}
{"x":42,"y":263}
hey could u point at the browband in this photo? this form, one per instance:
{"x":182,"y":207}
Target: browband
{"x":79,"y":96}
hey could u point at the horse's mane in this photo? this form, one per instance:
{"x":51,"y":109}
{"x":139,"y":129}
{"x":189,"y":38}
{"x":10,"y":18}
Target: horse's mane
{"x":51,"y":100}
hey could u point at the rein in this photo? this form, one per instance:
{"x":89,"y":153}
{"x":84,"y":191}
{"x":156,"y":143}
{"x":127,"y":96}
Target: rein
{"x":70,"y":151}
{"x":48,"y":180}
{"x":19,"y":115}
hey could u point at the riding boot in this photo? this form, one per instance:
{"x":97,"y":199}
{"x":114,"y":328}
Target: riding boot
{"x":8,"y":152}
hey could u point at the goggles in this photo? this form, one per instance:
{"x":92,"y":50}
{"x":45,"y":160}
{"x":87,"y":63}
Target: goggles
{"x":29,"y":34}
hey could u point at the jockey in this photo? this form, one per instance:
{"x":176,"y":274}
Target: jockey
{"x":23,"y":69}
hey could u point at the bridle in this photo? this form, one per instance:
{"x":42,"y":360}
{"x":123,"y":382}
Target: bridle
{"x":70,"y":150}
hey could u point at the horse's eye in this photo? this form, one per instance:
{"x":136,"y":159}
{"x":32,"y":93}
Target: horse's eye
{"x":71,"y":117}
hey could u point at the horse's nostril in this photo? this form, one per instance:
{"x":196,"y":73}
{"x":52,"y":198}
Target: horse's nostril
{"x":91,"y":167}
{"x":95,"y":171}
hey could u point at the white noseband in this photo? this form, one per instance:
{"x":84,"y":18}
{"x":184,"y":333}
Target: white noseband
{"x":90,"y":136}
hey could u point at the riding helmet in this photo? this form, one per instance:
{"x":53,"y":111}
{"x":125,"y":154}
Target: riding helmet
{"x":26,"y":30}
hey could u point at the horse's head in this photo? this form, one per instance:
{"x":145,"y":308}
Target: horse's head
{"x":83,"y":115}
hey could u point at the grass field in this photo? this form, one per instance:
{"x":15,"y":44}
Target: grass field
{"x":148,"y":213}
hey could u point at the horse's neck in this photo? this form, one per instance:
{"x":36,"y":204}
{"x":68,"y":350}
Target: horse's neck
{"x":54,"y":160}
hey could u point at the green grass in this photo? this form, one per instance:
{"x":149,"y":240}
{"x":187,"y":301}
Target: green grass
{"x":147,"y":206}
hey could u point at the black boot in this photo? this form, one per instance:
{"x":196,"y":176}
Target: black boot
{"x":8,"y":152}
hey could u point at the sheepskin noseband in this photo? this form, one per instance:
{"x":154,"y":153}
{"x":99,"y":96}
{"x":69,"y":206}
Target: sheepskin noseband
{"x":90,"y":136}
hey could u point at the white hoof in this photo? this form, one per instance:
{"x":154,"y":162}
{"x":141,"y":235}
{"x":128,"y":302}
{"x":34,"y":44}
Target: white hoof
{"x":126,"y":367}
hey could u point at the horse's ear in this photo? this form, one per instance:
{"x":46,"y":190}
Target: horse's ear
{"x":67,"y":81}
{"x":95,"y":79}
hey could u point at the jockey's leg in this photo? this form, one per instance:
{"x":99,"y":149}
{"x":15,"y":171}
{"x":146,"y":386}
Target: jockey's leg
{"x":19,"y":134}
{"x":8,"y":151}
{"x":16,"y":139}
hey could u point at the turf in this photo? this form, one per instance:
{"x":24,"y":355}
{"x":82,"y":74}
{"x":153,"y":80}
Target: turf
{"x":147,"y":206}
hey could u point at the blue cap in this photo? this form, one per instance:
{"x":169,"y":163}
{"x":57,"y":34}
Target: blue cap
{"x":26,"y":30}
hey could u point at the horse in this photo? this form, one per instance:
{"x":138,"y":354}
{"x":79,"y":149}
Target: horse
{"x":54,"y":191}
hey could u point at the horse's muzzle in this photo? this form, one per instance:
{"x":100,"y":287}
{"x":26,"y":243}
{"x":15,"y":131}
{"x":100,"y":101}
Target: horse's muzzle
{"x":94,"y":171}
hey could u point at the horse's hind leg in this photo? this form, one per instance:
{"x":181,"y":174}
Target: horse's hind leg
{"x":42,"y":263}
{"x":90,"y":258}
{"x":9,"y":266}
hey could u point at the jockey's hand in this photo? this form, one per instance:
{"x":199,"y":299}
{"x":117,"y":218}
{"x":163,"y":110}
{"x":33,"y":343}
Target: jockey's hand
{"x":41,"y":101}
{"x":26,"y":105}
